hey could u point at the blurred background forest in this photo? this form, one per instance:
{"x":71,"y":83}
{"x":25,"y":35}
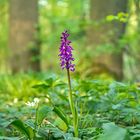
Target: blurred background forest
{"x":105,"y":36}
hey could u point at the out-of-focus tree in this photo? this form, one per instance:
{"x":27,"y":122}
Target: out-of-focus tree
{"x":104,"y":35}
{"x":132,"y":37}
{"x":3,"y":35}
{"x":136,"y":48}
{"x":23,"y":35}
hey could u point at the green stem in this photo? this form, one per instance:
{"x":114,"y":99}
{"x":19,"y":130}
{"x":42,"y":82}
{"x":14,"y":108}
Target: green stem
{"x":35,"y":130}
{"x":73,"y":108}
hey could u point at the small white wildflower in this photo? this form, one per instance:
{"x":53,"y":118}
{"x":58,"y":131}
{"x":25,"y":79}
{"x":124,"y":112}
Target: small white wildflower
{"x":15,"y":100}
{"x":34,"y":103}
{"x":98,"y":115}
{"x":46,"y":100}
{"x":90,"y":98}
{"x":36,"y":100}
{"x":30,"y":104}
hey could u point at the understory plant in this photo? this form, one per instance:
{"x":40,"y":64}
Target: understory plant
{"x":66,"y":59}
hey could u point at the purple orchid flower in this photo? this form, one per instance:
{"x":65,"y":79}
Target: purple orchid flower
{"x":65,"y":49}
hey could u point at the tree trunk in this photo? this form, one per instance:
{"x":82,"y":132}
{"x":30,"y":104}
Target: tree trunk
{"x":23,"y":41}
{"x":107,"y":33}
{"x":136,"y":49}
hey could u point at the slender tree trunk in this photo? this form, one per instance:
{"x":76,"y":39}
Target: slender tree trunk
{"x":107,"y":33}
{"x":23,"y":41}
{"x":137,"y":47}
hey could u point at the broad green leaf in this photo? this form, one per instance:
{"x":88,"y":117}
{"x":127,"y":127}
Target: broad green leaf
{"x":42,"y":113}
{"x":30,"y":123}
{"x":41,"y":86}
{"x":135,"y":137}
{"x":8,"y":138}
{"x":61,"y":114}
{"x":49,"y":81}
{"x":110,"y":18}
{"x":61,"y":124}
{"x":69,"y":136}
{"x":28,"y":131}
{"x":113,"y":132}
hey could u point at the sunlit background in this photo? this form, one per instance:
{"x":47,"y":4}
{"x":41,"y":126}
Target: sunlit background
{"x":105,"y":37}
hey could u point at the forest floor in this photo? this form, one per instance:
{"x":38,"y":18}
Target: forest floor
{"x":36,"y":106}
